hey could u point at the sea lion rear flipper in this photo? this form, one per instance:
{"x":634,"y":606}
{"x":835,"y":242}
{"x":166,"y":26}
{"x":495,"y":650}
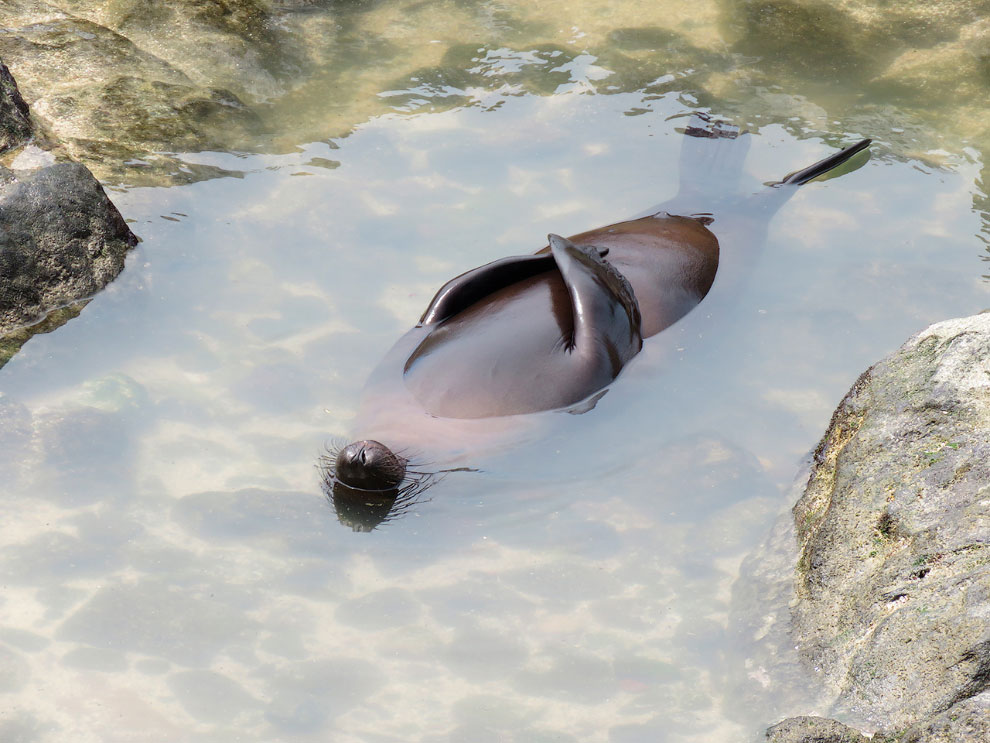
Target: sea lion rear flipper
{"x":607,"y":331}
{"x":800,"y":177}
{"x":713,"y":154}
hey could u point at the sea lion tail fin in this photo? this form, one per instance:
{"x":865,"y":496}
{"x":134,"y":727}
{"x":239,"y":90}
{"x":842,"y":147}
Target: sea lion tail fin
{"x":712,"y":154}
{"x":800,"y":177}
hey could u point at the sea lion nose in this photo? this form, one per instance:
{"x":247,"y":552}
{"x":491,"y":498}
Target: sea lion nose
{"x":354,"y":453}
{"x":369,"y":464}
{"x":351,"y":457}
{"x":349,"y":454}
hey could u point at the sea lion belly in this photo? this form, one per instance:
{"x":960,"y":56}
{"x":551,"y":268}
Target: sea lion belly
{"x":503,"y":356}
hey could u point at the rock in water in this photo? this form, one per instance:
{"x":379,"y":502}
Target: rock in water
{"x":893,"y":578}
{"x":15,"y":123}
{"x":61,"y":240}
{"x":813,"y":730}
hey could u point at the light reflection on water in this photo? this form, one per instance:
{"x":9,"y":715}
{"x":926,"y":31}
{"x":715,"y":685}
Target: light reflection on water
{"x":170,"y":568}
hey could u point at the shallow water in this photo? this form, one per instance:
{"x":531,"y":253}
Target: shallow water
{"x":172,"y":571}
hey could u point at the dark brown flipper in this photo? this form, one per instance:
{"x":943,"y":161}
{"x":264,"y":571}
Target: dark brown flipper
{"x":462,"y":291}
{"x":800,"y":177}
{"x":472,"y":286}
{"x":606,"y":315}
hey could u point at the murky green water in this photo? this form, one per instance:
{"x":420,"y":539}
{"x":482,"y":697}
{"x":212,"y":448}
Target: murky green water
{"x":171,"y":570}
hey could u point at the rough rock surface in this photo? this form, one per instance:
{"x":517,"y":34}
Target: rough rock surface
{"x":813,"y":730}
{"x":15,"y":121}
{"x":133,"y":79}
{"x":893,"y":582}
{"x":964,"y":722}
{"x":105,"y":100}
{"x":61,"y":240}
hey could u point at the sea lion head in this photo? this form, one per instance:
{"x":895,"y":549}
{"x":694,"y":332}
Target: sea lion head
{"x":368,"y":484}
{"x":369,"y":465}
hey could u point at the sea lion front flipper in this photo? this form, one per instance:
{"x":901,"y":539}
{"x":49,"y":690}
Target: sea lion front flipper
{"x":462,"y":291}
{"x":472,"y":286}
{"x":607,"y":321}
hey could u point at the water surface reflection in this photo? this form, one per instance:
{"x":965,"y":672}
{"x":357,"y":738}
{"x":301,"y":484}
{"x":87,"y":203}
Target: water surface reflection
{"x":172,"y":570}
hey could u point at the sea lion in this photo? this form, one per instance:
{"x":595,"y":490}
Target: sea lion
{"x":567,"y":330}
{"x":551,"y":330}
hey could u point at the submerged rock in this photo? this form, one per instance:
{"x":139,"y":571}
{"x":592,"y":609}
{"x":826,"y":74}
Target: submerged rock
{"x":108,"y":101}
{"x":893,"y":578}
{"x":848,"y":35}
{"x":122,"y":86}
{"x":239,"y":46}
{"x":125,"y":85}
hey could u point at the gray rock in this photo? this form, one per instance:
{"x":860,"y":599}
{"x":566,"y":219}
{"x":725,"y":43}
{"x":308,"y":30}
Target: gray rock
{"x":893,"y":581}
{"x":967,"y":721}
{"x":15,"y":121}
{"x":813,"y":730}
{"x":61,"y":240}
